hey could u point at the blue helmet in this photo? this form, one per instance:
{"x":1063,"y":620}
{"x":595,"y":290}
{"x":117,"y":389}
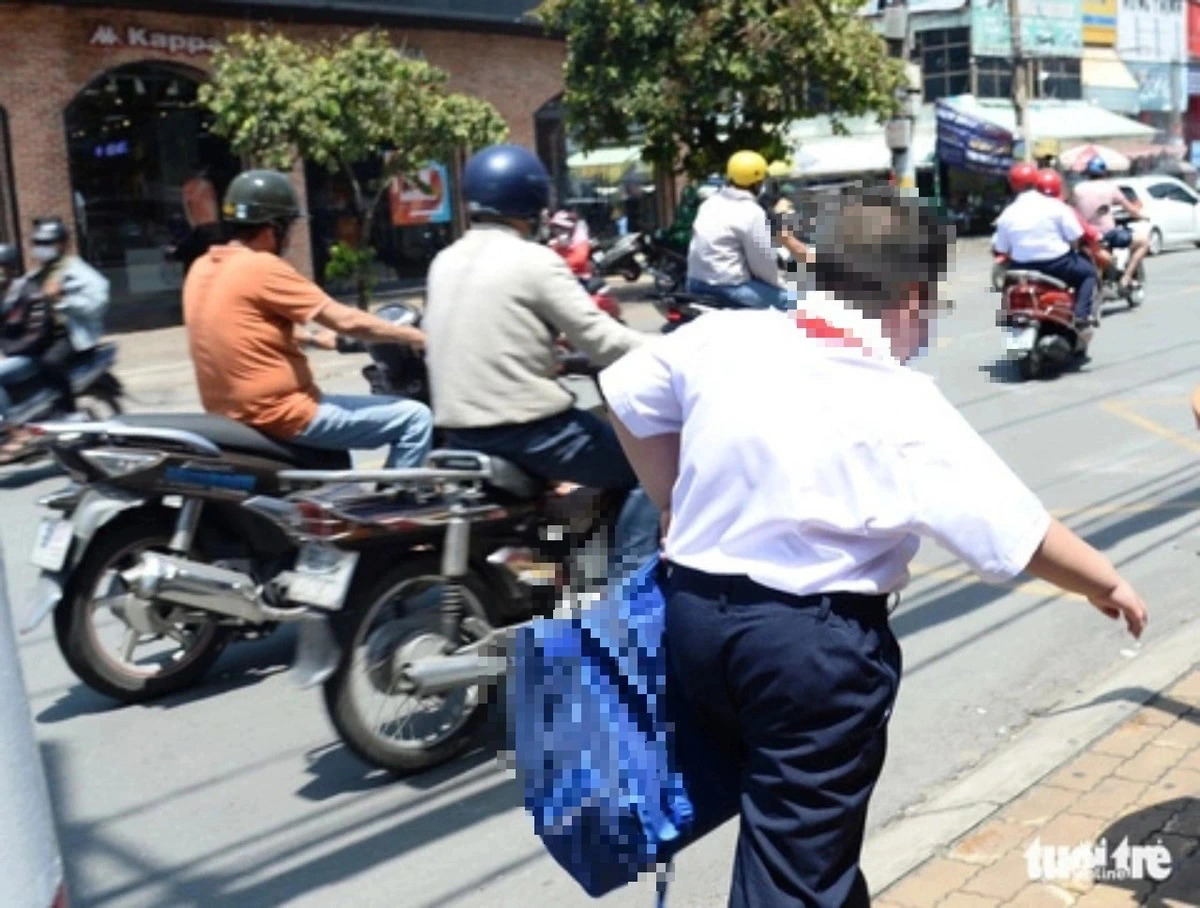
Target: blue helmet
{"x":1096,"y":167}
{"x":506,"y":181}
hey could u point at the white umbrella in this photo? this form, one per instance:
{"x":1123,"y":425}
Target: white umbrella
{"x":1077,"y":158}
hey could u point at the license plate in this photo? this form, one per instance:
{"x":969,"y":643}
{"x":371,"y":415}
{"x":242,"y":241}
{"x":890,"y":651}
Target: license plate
{"x":53,"y":542}
{"x":322,"y":576}
{"x":1020,"y":340}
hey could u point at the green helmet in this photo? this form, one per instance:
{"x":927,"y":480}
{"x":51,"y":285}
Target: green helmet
{"x":260,"y":197}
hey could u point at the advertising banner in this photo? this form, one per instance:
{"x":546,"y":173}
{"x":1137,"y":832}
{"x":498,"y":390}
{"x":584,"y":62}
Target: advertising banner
{"x":1152,"y":31}
{"x":412,"y":205}
{"x":969,"y":143}
{"x":1049,"y":28}
{"x":1100,"y":23}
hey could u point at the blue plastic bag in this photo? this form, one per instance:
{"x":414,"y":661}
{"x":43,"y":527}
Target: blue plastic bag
{"x":594,"y":733}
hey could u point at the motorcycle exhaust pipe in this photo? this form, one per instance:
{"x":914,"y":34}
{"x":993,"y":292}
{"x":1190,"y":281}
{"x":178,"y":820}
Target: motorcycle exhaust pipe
{"x":190,"y":584}
{"x":441,"y":674}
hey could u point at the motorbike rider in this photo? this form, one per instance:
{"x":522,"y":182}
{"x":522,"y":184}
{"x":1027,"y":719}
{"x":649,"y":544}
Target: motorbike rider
{"x":10,"y":268}
{"x":495,"y":304}
{"x":731,"y":254}
{"x":244,"y":306}
{"x":569,"y":238}
{"x":1040,"y":233}
{"x":1094,"y":199}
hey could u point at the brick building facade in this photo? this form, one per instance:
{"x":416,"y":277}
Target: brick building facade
{"x":61,"y":134}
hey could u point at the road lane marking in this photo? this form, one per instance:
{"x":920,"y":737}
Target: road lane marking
{"x":1120,"y":410}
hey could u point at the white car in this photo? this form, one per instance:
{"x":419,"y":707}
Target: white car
{"x":1170,"y":206}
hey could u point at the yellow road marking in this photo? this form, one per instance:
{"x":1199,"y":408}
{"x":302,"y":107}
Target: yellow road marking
{"x":1119,"y":409}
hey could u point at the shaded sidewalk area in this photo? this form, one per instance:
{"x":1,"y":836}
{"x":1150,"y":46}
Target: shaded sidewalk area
{"x":1138,"y":785}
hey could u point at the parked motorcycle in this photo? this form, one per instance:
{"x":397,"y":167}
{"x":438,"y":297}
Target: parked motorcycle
{"x":622,"y":256}
{"x":666,"y":262}
{"x":1038,"y":315}
{"x":165,"y":546}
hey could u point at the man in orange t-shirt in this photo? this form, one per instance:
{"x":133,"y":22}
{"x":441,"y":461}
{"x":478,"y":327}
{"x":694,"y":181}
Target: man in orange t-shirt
{"x":243,"y":305}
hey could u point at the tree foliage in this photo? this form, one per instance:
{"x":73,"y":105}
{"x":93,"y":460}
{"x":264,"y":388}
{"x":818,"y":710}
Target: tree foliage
{"x":341,"y":104}
{"x":700,"y":79}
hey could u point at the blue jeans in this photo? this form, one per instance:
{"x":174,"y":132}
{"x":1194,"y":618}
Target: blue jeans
{"x":346,"y":421}
{"x":14,"y":369}
{"x":576,"y":446}
{"x":750,"y":295}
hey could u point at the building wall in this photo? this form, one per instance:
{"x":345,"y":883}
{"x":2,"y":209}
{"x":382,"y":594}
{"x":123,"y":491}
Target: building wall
{"x":48,"y":57}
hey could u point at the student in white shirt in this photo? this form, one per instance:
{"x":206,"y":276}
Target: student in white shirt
{"x":797,"y":480}
{"x":1040,"y":233}
{"x":731,"y":255}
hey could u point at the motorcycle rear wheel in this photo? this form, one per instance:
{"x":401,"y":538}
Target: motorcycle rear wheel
{"x":114,"y":548}
{"x":363,"y":697}
{"x":1029,"y":367}
{"x":1137,"y":293}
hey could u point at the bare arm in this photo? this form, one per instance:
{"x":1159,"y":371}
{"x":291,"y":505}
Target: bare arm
{"x":655,"y":460}
{"x":308,"y":336}
{"x":351,"y":322}
{"x":1196,"y":405}
{"x":1070,"y":563}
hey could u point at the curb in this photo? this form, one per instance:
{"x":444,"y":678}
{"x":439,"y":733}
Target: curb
{"x":1052,"y":739}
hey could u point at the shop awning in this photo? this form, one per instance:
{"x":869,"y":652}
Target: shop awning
{"x":1107,"y":81}
{"x":850,"y":155}
{"x":1050,"y":119}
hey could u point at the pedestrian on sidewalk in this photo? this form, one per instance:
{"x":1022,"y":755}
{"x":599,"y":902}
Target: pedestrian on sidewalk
{"x":797,"y":479}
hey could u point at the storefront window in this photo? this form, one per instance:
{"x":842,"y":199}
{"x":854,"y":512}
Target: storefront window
{"x":9,"y":232}
{"x":411,"y":225}
{"x":612,"y":188}
{"x":146,"y":177}
{"x":945,"y":55}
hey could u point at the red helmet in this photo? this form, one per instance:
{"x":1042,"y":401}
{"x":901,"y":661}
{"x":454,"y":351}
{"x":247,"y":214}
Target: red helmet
{"x":1049,"y":183}
{"x":1022,"y":176}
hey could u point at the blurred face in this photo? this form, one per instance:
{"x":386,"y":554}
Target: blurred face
{"x":47,"y":252}
{"x":908,"y":328}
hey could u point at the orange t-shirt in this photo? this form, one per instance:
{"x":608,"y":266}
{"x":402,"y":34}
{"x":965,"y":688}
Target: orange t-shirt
{"x":241,"y":308}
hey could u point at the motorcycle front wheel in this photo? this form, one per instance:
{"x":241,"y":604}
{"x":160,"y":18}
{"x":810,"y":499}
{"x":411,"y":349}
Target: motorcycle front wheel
{"x":101,"y":646}
{"x":390,"y":622}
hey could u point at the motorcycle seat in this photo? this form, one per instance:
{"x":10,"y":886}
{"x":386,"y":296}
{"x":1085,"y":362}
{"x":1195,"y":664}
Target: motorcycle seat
{"x":236,"y":438}
{"x":1022,"y":275}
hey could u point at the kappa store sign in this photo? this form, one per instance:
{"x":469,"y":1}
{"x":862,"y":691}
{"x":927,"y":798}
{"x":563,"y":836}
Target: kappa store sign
{"x":106,"y":35}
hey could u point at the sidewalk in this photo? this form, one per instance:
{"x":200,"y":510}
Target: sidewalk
{"x":1139,"y":782}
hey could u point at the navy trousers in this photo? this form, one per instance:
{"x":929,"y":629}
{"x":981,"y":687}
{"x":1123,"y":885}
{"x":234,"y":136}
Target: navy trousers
{"x":1077,"y":271}
{"x":793,"y":695}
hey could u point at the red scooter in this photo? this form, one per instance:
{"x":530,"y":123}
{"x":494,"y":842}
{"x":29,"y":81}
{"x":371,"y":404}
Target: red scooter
{"x":1038,"y":318}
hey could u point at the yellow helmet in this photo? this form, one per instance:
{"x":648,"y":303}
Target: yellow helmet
{"x":779,"y":169}
{"x":746,"y":168}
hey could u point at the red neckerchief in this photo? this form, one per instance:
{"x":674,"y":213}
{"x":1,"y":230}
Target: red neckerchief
{"x":819,"y":329}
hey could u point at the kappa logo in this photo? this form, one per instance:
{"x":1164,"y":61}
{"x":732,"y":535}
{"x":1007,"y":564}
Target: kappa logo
{"x":105,"y":35}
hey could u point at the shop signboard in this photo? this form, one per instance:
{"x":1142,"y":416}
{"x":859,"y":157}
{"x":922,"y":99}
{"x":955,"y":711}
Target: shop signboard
{"x":108,"y":35}
{"x":1100,"y":23}
{"x":1049,"y":28}
{"x":970,"y":143}
{"x":1162,"y":87}
{"x":1152,"y":31}
{"x":425,"y":200}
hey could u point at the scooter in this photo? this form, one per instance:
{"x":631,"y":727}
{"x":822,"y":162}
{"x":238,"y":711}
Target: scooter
{"x":1038,"y":317}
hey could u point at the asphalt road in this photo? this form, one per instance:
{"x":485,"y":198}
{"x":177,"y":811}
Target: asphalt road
{"x":239,"y":794}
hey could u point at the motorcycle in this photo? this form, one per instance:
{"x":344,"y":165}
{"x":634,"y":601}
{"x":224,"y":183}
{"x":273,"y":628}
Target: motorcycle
{"x":98,"y":394}
{"x":666,"y":263}
{"x":622,"y":256}
{"x":419,"y":579}
{"x":165,"y":546}
{"x":1038,"y":315}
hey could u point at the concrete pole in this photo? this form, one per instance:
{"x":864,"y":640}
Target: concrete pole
{"x":1020,"y":78}
{"x":900,"y":128}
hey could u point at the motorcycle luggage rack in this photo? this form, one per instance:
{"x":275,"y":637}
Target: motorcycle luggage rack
{"x":447,"y":466}
{"x":1029,"y":276}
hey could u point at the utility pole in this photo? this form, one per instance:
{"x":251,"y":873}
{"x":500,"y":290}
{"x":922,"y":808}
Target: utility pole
{"x":1020,"y":78}
{"x":899,"y":130}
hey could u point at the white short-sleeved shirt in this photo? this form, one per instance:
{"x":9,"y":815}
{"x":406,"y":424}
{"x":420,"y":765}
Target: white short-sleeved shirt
{"x":814,"y":468}
{"x":1036,"y":228}
{"x":731,"y":241}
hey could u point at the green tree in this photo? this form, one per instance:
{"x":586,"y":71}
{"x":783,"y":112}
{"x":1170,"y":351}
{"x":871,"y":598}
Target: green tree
{"x":701,"y":79}
{"x":341,"y":104}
